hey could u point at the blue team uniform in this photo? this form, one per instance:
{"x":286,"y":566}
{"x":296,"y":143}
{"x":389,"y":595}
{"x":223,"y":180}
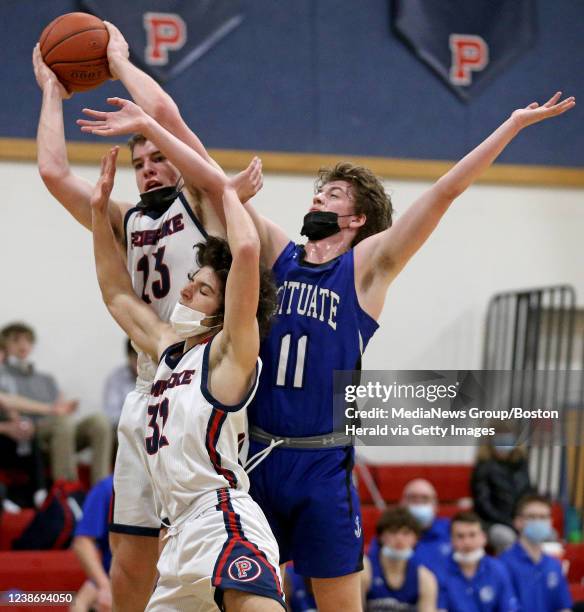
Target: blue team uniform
{"x":95,"y":521}
{"x":489,"y":590}
{"x":382,"y":598}
{"x":307,"y":495}
{"x":433,"y":548}
{"x":540,"y":587}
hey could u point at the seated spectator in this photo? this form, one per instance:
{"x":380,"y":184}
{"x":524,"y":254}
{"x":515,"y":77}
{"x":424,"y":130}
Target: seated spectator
{"x":18,"y":447}
{"x":537,"y":578}
{"x":118,"y":384}
{"x":91,"y":545}
{"x":393,"y":578}
{"x":499,"y":479}
{"x":58,"y":432}
{"x":433,"y":547}
{"x":474,"y":582}
{"x":298,"y":592}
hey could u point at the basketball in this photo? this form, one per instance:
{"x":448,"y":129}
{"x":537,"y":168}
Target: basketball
{"x":74,"y":47}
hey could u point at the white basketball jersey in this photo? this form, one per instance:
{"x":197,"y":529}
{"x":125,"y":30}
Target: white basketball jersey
{"x":192,"y":439}
{"x":160,"y":252}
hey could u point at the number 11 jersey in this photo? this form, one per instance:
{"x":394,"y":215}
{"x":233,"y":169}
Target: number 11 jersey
{"x":319,"y":327}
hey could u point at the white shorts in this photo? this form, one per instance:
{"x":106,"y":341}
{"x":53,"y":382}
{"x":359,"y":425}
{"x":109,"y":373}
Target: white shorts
{"x":226,"y":546}
{"x":134,"y":510}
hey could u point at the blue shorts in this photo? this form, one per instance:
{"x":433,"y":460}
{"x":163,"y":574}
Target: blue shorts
{"x":313,"y":508}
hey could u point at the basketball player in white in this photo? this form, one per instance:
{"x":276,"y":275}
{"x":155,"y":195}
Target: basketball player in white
{"x":221,"y":550}
{"x":160,"y":236}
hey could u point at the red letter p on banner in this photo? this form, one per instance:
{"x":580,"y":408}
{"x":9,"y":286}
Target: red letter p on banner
{"x":164,"y":32}
{"x":469,"y":53}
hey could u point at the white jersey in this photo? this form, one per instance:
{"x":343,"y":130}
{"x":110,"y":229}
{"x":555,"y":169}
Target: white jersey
{"x":192,"y":439}
{"x":160,"y":252}
{"x":160,"y":256}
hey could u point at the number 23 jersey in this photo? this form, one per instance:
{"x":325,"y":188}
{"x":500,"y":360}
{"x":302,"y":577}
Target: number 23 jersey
{"x":319,"y":327}
{"x":160,"y":252}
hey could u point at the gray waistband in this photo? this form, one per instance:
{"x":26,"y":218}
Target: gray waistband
{"x":331,"y":440}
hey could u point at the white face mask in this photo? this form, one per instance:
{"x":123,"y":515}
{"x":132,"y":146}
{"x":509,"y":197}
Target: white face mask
{"x":186,"y":322}
{"x":472,"y":557}
{"x":397,"y":554}
{"x":23,"y":365}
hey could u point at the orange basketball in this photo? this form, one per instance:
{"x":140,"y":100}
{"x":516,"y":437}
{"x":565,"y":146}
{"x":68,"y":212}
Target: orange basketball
{"x":74,"y":47}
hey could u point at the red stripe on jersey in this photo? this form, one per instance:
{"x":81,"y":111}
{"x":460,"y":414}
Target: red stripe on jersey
{"x":213,"y":432}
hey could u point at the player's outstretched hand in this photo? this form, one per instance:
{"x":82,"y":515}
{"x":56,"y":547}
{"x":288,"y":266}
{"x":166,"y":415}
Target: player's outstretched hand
{"x":534,"y":113}
{"x":128,"y":120}
{"x":249,"y":181}
{"x":117,"y":48}
{"x":103,"y":187}
{"x":44,"y":76}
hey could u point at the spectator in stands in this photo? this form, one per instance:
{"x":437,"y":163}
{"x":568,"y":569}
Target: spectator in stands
{"x":18,"y":448}
{"x":91,"y":545}
{"x":499,"y":479}
{"x":537,"y":578}
{"x":433,"y":548}
{"x":393,"y":577}
{"x":58,"y":432}
{"x":118,"y":384}
{"x":472,"y":581}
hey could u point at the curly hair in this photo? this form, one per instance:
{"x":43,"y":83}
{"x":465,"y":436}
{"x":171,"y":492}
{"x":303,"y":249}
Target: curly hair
{"x":371,"y":199}
{"x":216,"y":254}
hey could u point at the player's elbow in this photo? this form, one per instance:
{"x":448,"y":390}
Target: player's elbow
{"x":247,"y":250}
{"x":53,"y":174}
{"x":165,"y":111}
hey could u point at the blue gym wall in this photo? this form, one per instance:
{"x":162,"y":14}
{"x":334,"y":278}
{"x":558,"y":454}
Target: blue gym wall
{"x":329,"y":76}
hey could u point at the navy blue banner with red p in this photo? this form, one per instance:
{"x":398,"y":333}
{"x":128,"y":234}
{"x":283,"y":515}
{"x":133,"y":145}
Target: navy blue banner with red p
{"x":167,"y":36}
{"x":466,"y":43}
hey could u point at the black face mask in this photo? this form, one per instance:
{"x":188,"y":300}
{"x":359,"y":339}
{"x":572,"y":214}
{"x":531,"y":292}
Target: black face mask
{"x":320,"y":224}
{"x":158,"y":199}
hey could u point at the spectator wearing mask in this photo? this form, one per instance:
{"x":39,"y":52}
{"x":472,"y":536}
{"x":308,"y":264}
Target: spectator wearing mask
{"x":433,"y":547}
{"x":474,"y":582}
{"x":58,"y":432}
{"x":393,"y":578}
{"x":537,"y":578}
{"x":499,"y":479}
{"x":91,"y":545}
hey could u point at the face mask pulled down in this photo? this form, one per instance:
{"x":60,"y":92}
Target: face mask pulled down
{"x":187,"y":322}
{"x":158,"y":199}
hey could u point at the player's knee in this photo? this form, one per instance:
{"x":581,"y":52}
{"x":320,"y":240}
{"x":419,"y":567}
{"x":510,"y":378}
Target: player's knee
{"x":341,"y":593}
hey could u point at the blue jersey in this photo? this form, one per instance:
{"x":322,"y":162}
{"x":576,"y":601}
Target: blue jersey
{"x":489,"y":590}
{"x":382,"y":597}
{"x":540,"y":587}
{"x":319,"y":327}
{"x":434,"y":548}
{"x":95,"y":521}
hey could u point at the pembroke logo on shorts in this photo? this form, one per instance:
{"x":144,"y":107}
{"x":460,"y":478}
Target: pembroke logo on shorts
{"x":244,"y":569}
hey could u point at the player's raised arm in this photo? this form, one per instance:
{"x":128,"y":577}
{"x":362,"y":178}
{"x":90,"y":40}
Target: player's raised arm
{"x":150,"y":96}
{"x":147,"y":93}
{"x":130,"y":118}
{"x":72,"y":191}
{"x":240,"y":334}
{"x":139,"y":321}
{"x":382,"y":256}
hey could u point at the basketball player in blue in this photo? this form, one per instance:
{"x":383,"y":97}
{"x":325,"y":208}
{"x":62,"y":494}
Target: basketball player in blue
{"x":161,"y":231}
{"x":221,"y":552}
{"x":331,"y":293}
